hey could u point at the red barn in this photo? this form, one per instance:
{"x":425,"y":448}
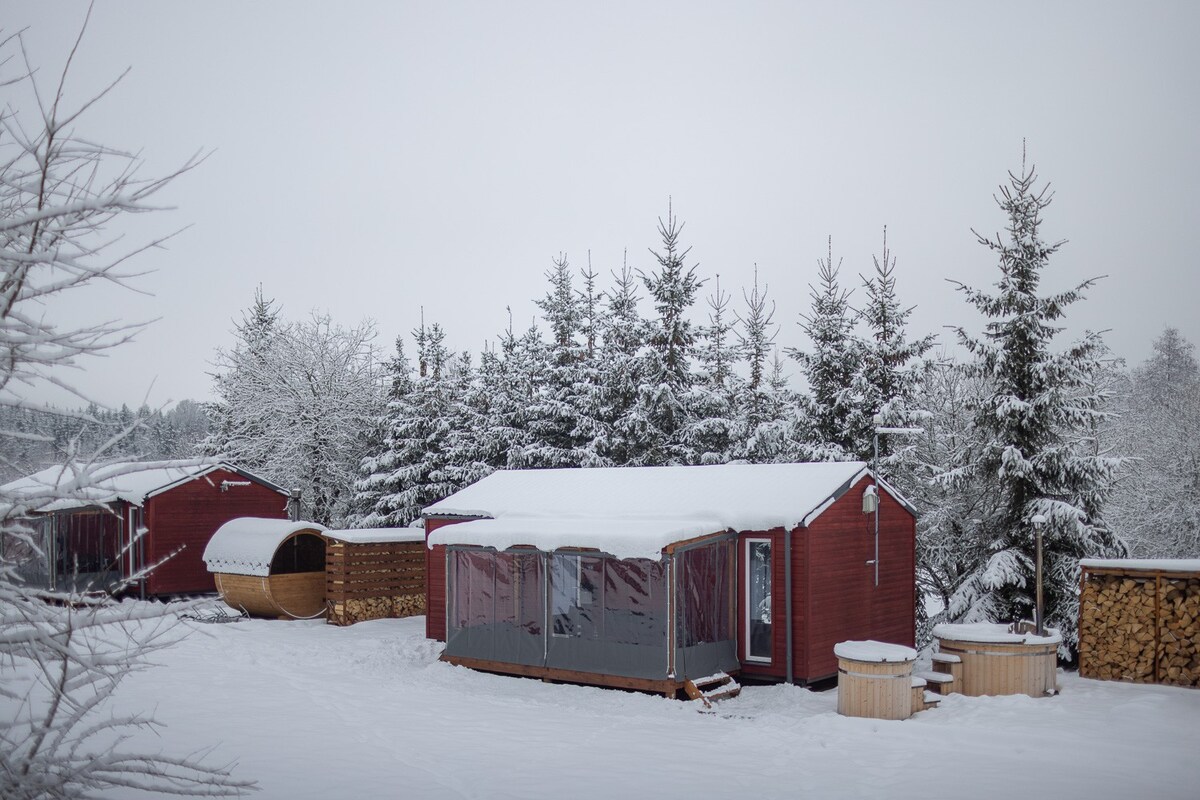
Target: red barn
{"x":643,"y":577}
{"x":133,"y":515}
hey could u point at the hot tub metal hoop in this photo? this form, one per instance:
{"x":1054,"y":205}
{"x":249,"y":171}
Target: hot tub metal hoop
{"x":874,"y":675}
{"x":990,"y":653}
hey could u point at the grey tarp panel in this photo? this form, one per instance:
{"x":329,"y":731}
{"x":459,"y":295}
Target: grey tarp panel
{"x":495,"y":606}
{"x":705,"y":640}
{"x":607,"y":616}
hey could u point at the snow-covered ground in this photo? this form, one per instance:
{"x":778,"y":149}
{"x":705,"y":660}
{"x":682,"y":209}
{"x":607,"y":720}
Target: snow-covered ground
{"x":315,"y":711}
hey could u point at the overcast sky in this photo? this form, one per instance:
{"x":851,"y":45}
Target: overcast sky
{"x":373,"y":158}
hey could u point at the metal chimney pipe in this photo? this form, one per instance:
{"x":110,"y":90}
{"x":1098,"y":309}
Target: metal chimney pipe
{"x":1039,"y":522}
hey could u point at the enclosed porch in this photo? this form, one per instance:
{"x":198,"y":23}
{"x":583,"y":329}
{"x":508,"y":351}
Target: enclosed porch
{"x":587,"y":617}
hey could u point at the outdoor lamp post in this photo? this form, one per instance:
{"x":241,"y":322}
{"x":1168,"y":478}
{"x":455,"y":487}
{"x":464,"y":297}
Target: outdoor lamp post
{"x":1039,"y":521}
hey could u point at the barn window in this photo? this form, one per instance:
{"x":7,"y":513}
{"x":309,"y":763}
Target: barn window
{"x":758,"y":600}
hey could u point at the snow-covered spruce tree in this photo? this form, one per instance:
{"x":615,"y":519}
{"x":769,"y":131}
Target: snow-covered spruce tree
{"x":466,"y":438}
{"x":299,"y":403}
{"x":1037,"y":427}
{"x":559,"y":437}
{"x":254,"y":335}
{"x":62,"y":200}
{"x":953,"y":495}
{"x":619,"y":364}
{"x":1155,"y":507}
{"x":889,"y":371}
{"x":372,"y":507}
{"x":766,"y":421}
{"x":829,"y":369}
{"x":593,"y":430}
{"x":420,"y":427}
{"x":507,"y":378}
{"x":711,"y":429}
{"x":667,"y":376}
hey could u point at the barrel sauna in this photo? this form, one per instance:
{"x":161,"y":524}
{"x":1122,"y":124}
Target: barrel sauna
{"x":269,"y":567}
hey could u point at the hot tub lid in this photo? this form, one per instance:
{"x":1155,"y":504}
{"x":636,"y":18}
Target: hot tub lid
{"x":992,"y":633}
{"x":870,"y":650}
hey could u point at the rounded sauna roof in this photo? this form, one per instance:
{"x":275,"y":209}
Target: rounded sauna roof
{"x":246,"y":545}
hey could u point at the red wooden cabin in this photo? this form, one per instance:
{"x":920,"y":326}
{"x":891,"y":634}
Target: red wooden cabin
{"x":131,"y":516}
{"x":804,"y":548}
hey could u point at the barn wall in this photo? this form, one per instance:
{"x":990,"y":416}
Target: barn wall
{"x":188,"y":515}
{"x":842,"y":600}
{"x":435,"y":580}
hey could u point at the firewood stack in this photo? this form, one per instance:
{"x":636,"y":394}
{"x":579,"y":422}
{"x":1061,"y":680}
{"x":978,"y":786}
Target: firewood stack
{"x":355,"y":610}
{"x":1116,"y":633}
{"x":1140,"y":626}
{"x":1179,"y":634}
{"x":373,"y":580}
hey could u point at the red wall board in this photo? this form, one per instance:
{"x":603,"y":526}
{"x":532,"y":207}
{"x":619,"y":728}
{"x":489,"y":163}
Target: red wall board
{"x":183,"y":519}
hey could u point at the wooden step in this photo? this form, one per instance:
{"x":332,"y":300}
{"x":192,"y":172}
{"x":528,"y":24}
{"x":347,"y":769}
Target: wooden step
{"x":918,"y":694}
{"x":951,"y":665}
{"x":708,"y":690}
{"x":940,"y":682}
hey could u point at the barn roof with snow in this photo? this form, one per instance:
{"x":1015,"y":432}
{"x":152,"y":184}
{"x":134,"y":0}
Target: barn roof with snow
{"x":131,"y":481}
{"x":634,"y":512}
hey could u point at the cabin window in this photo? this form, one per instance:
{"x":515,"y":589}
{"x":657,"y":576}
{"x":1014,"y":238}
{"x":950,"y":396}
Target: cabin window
{"x":564,"y":594}
{"x":758,"y":600}
{"x":576,"y":601}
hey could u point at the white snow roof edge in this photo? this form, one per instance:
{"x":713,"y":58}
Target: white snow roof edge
{"x":1149,"y":564}
{"x":225,"y":465}
{"x":847,"y":486}
{"x":465,"y":513}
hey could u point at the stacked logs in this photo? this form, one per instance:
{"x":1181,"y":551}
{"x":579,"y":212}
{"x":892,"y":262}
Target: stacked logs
{"x":1117,"y":628}
{"x":374,"y":580}
{"x":1143,"y":628}
{"x":1179,"y":632}
{"x":354,"y":610}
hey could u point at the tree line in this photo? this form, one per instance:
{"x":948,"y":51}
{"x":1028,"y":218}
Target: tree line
{"x":660,"y":365}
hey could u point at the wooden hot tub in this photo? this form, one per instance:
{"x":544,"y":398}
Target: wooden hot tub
{"x":875,"y":680}
{"x":997,"y":660}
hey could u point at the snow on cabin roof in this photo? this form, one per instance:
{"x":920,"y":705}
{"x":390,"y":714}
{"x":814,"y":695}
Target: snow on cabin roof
{"x":1147,"y":564}
{"x":640,"y":509}
{"x":376,"y":535}
{"x":623,"y":538}
{"x":131,"y":481}
{"x":246,"y":545}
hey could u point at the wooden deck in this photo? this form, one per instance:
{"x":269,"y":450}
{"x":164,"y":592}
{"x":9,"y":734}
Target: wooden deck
{"x":667,"y":688}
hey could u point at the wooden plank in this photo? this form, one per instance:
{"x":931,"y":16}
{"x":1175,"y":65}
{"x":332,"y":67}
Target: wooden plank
{"x":354,"y":557}
{"x":381,"y":590}
{"x":567,"y":676}
{"x":671,"y":548}
{"x":381,"y":579}
{"x":1140,"y":573}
